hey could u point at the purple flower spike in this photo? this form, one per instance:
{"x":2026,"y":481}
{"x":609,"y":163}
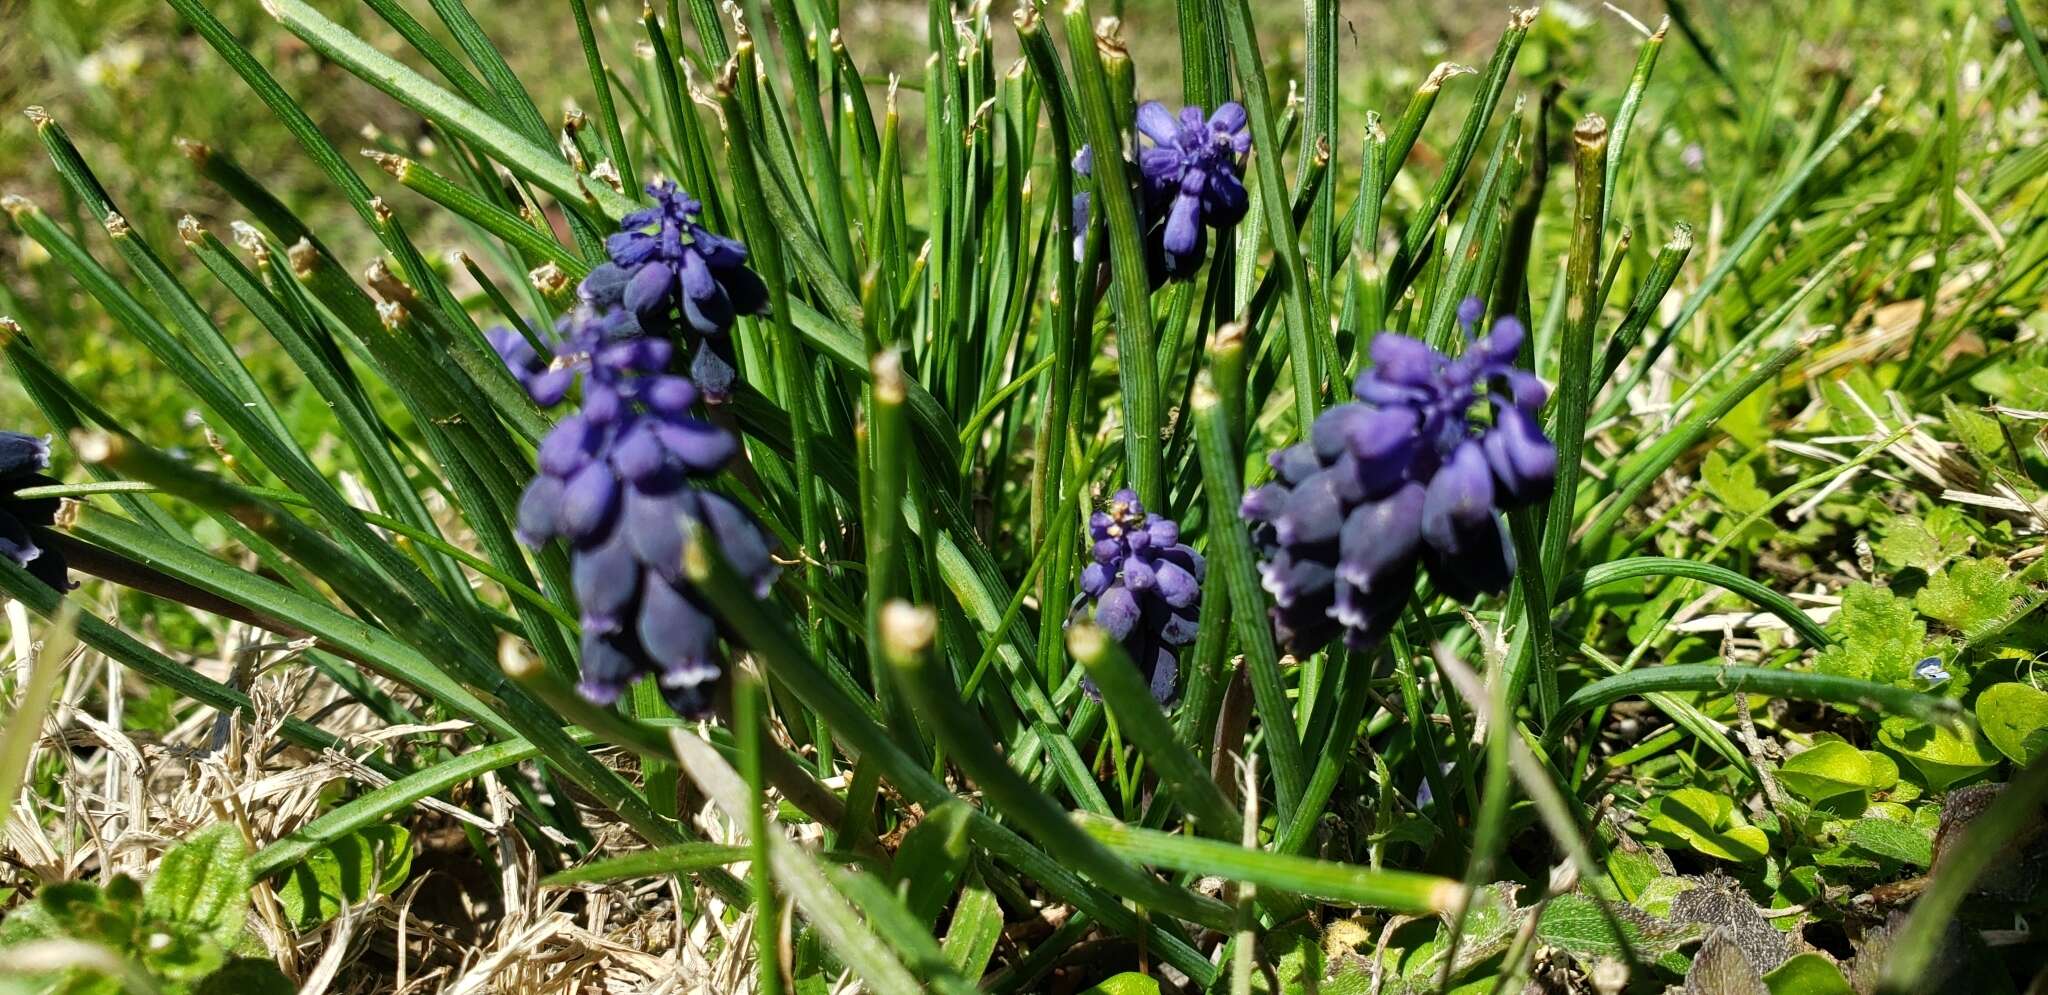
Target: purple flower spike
{"x":619,"y":478}
{"x":1191,"y":176}
{"x":1146,"y":589}
{"x":25,"y":535}
{"x":676,"y":279}
{"x":1188,"y":179}
{"x":1411,"y":475}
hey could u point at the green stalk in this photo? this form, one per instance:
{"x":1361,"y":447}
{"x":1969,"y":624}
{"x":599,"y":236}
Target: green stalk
{"x":1230,"y":554}
{"x":1141,"y":719}
{"x":494,"y":219}
{"x":750,"y":728}
{"x":1137,"y":348}
{"x":1624,"y":119}
{"x":790,"y":363}
{"x":1718,"y":679}
{"x":1574,"y":388}
{"x":821,"y":143}
{"x":907,"y":638}
{"x":1266,"y":154}
{"x":607,"y":111}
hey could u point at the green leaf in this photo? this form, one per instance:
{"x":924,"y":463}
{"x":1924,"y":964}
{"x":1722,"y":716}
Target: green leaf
{"x":1127,"y":983}
{"x":1807,"y":974}
{"x":203,"y":882}
{"x":371,"y":861}
{"x":1892,"y":840}
{"x":977,"y":925}
{"x":1979,"y":433}
{"x":1943,"y":754}
{"x":1880,"y":637}
{"x":1923,"y":541}
{"x":1733,"y":483}
{"x":246,"y":976}
{"x":2014,"y":717}
{"x":1577,"y":923}
{"x":930,"y":861}
{"x":1706,"y":822}
{"x":1835,"y":768}
{"x":1969,"y":594}
{"x":2021,"y":382}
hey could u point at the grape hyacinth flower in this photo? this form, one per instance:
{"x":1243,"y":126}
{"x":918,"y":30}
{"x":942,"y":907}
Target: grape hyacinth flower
{"x":1146,"y":589}
{"x":1188,"y":181}
{"x":617,"y":480}
{"x":25,"y":535}
{"x":673,"y":275}
{"x":1403,"y":478}
{"x":1190,"y":177}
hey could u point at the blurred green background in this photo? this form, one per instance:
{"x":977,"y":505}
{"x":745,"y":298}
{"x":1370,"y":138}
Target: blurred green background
{"x":127,"y":80}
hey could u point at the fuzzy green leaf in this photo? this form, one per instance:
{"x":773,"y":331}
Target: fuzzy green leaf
{"x":203,"y":882}
{"x":1880,"y":637}
{"x":1968,"y":595}
{"x":1892,"y":840}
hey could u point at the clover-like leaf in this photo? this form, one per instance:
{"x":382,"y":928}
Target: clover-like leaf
{"x":370,"y":861}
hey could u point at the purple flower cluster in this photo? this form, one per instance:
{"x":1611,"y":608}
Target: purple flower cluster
{"x":1404,"y":477}
{"x":1146,"y":588}
{"x":668,"y":271}
{"x":1188,"y":180}
{"x":620,"y":475}
{"x":25,"y":522}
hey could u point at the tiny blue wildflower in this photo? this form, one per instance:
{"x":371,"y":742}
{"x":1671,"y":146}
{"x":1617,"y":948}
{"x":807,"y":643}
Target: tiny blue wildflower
{"x":25,"y":535}
{"x":1405,"y":477}
{"x":1931,"y":670}
{"x":1146,"y":589}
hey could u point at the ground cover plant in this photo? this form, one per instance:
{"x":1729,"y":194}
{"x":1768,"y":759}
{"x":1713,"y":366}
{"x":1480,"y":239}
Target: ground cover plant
{"x":801,"y":496}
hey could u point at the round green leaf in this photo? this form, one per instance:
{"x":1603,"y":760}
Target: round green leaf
{"x":1943,"y":754}
{"x":2015,"y":719}
{"x":1830,"y":769}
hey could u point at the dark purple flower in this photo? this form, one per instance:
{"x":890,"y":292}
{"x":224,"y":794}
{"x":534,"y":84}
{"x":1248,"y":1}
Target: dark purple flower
{"x":1191,"y":176}
{"x":25,"y":535}
{"x":1187,"y":182}
{"x":672,"y":275}
{"x":617,"y":479}
{"x":1407,"y":476}
{"x":1146,"y":589}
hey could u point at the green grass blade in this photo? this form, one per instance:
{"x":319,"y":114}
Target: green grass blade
{"x":1756,"y":680}
{"x":1404,"y":892}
